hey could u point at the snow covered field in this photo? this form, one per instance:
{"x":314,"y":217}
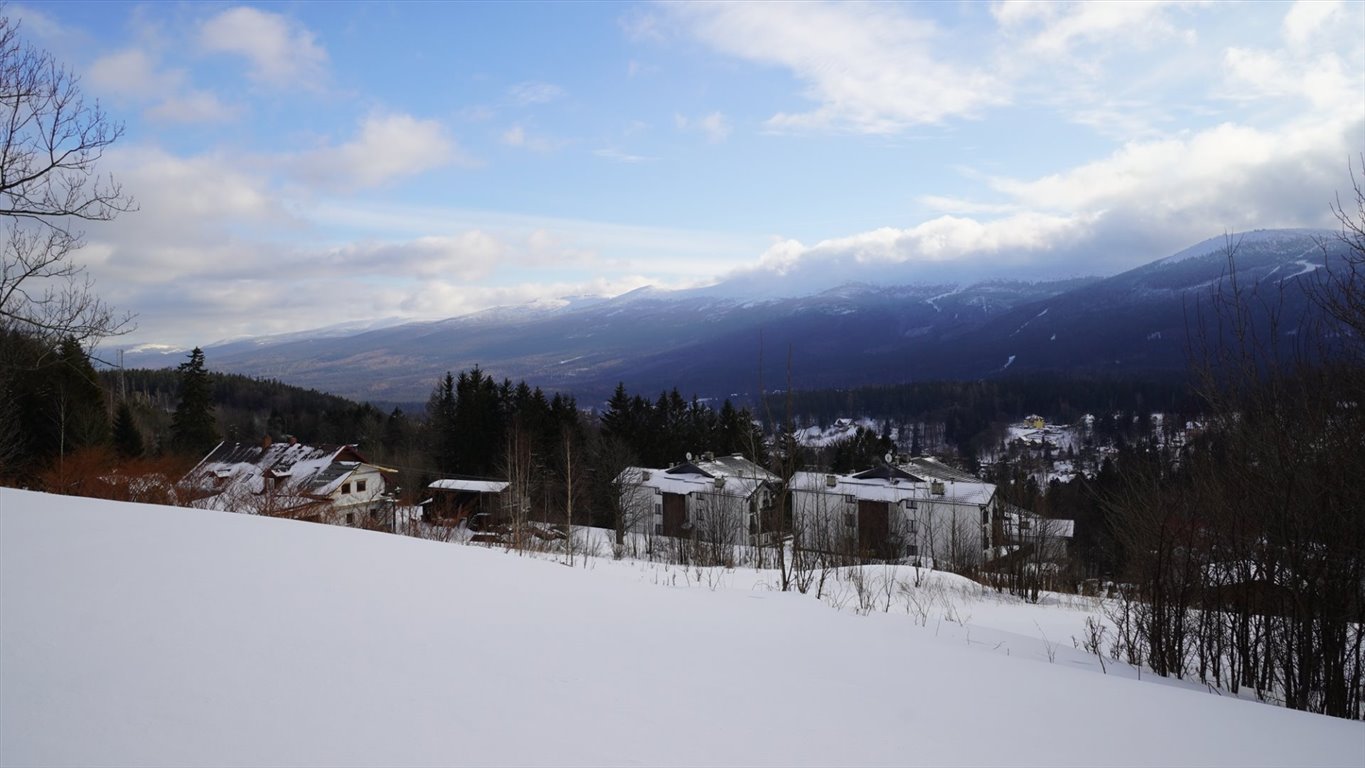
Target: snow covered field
{"x":146,"y":635}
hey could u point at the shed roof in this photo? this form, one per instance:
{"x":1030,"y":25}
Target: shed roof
{"x":472,"y":486}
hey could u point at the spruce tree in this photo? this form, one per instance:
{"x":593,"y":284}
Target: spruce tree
{"x":75,"y":400}
{"x":478,"y":423}
{"x":616,"y":419}
{"x":443,"y":437}
{"x":194,"y":429}
{"x":127,"y":438}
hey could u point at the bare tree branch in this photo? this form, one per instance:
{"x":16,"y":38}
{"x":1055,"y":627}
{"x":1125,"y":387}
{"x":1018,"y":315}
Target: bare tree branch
{"x":51,"y":142}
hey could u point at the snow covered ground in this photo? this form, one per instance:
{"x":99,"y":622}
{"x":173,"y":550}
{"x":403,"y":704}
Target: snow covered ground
{"x":144,"y":635}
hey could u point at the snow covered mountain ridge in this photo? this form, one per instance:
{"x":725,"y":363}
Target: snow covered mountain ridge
{"x":708,"y":342}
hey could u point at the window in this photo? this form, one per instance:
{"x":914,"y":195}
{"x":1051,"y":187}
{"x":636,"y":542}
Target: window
{"x":658,"y":510}
{"x":345,"y":487}
{"x":1024,"y":525}
{"x":850,"y":520}
{"x":350,"y":518}
{"x":850,"y":499}
{"x":658,"y":529}
{"x":360,"y":486}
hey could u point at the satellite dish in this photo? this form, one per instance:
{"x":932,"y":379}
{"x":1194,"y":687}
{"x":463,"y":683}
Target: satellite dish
{"x":888,"y":457}
{"x":689,"y":455}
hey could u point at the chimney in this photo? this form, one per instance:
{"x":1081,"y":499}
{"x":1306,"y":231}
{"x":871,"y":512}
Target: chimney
{"x":293,"y":440}
{"x":265,"y":442}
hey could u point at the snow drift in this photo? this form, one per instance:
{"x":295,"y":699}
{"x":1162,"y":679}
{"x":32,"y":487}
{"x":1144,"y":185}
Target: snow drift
{"x":134,"y":634}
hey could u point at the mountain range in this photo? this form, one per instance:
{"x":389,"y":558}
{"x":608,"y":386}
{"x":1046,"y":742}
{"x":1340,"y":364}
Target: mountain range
{"x":711,"y":342}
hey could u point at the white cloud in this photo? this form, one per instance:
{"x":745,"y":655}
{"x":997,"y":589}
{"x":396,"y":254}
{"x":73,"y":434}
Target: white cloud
{"x":131,"y":73}
{"x":1145,"y":200}
{"x":441,"y":299}
{"x":1059,"y":29}
{"x":388,"y":147}
{"x":870,"y":68}
{"x":1320,"y":64}
{"x":528,"y":93}
{"x":1306,"y":17}
{"x":194,"y":212}
{"x":135,"y":75}
{"x":193,"y":107}
{"x":517,"y":136}
{"x":470,"y":255}
{"x":207,"y":187}
{"x":640,"y":25}
{"x":1227,"y":175}
{"x":948,"y":204}
{"x":714,"y":126}
{"x":943,"y":239}
{"x":514,"y":136}
{"x":636,"y":68}
{"x":619,"y":156}
{"x":281,"y":52}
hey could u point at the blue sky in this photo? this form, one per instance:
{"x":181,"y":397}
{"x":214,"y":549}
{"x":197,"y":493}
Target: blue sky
{"x":304,"y":164}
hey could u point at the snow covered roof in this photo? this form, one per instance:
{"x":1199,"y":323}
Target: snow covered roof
{"x":292,"y":469}
{"x":887,"y":472}
{"x":867,"y":488}
{"x":472,"y":486}
{"x":728,"y":475}
{"x":1011,"y":517}
{"x":927,"y":466}
{"x":724,"y":466}
{"x":893,"y":486}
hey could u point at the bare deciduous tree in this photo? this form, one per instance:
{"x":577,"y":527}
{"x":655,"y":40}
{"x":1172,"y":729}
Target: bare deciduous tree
{"x":1340,"y":290}
{"x":51,"y":141}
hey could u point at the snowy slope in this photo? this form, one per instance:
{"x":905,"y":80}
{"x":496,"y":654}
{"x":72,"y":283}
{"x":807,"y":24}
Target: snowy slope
{"x":148,"y":635}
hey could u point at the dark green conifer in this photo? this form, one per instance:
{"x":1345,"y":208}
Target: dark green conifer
{"x":127,"y":438}
{"x":194,"y":428}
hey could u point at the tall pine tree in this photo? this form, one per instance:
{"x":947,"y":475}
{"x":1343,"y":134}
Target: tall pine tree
{"x":194,"y":429}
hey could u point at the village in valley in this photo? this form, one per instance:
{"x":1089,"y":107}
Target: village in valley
{"x":709,"y":509}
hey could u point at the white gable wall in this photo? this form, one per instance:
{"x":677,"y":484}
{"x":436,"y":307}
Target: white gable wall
{"x":951,"y":529}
